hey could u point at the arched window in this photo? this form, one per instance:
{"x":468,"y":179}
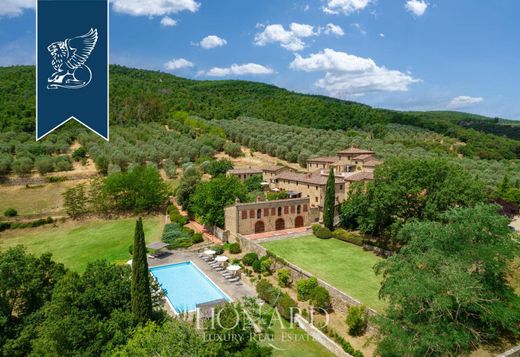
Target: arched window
{"x":258,"y":213}
{"x":298,"y":209}
{"x":279,"y":211}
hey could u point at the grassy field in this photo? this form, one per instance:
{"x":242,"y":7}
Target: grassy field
{"x":77,"y":243}
{"x":44,"y":199}
{"x":343,"y":265}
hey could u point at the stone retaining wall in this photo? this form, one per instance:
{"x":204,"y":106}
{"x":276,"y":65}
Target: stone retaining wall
{"x":320,"y":337}
{"x":340,"y":301}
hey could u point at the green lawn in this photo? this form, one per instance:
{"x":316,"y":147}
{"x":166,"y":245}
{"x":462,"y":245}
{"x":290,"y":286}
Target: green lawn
{"x":77,"y":243}
{"x":343,"y":265}
{"x":294,"y":342}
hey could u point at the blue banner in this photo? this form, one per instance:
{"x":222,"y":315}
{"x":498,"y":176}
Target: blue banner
{"x":72,"y":65}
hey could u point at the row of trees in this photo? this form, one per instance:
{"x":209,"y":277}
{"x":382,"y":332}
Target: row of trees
{"x":297,"y":144}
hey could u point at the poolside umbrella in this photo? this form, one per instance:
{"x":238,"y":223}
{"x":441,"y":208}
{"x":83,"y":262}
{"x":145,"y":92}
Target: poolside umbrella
{"x":234,"y":268}
{"x":221,"y":258}
{"x":209,"y":252}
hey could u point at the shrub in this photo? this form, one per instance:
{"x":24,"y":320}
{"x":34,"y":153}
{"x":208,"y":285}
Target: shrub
{"x":79,"y":153}
{"x":177,"y":236}
{"x":304,"y":288}
{"x":316,"y":228}
{"x":265,"y":265}
{"x":349,"y":237}
{"x":219,"y":249}
{"x":357,"y":320}
{"x":323,"y":233}
{"x":347,"y":347}
{"x":234,"y":248}
{"x":284,"y":277}
{"x":197,"y":238}
{"x":320,"y":298}
{"x":10,"y":212}
{"x":176,"y":217}
{"x":4,"y":226}
{"x":286,"y":306}
{"x":267,"y":292}
{"x":257,"y":266}
{"x":249,"y":259}
{"x":55,"y":179}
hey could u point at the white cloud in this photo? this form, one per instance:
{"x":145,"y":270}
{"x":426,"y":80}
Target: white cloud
{"x":359,"y":28}
{"x":381,"y":35}
{"x":417,"y":7}
{"x":464,"y":101}
{"x":334,"y":29}
{"x":289,"y":39}
{"x":212,"y":41}
{"x":350,"y":75}
{"x":154,"y":7}
{"x":239,"y":70}
{"x":178,"y":63}
{"x":13,"y":8}
{"x":167,"y":21}
{"x":345,"y":7}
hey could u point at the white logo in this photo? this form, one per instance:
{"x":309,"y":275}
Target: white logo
{"x":68,"y":61}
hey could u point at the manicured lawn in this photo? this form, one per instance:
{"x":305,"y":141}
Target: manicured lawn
{"x":294,"y":342}
{"x":77,"y":243}
{"x":343,"y":265}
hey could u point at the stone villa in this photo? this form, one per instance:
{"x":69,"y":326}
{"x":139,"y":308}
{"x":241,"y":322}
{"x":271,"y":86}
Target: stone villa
{"x":306,"y":190}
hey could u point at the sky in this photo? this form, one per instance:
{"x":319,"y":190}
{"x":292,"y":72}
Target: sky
{"x":397,"y":54}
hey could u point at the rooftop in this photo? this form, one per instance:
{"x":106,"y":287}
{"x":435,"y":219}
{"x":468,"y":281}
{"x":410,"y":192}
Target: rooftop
{"x":363,"y":157}
{"x":360,"y":176}
{"x":323,"y":159}
{"x":314,"y":179}
{"x":372,"y":163}
{"x":246,"y":170}
{"x":274,"y":168}
{"x":354,"y":151}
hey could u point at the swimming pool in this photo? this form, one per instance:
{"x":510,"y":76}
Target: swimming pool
{"x":186,"y":286}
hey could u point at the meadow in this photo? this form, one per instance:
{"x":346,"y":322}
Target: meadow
{"x":76,"y":243}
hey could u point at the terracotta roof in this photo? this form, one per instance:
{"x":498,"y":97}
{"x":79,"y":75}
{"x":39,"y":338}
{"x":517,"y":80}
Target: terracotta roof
{"x":363,"y":157}
{"x":344,"y":161}
{"x":274,"y":168}
{"x":244,"y":171}
{"x":354,"y":151}
{"x":360,"y":176}
{"x":314,"y":178}
{"x":323,"y":159}
{"x":372,"y":163}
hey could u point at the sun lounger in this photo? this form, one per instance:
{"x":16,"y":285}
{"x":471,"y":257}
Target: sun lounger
{"x":234,"y":280}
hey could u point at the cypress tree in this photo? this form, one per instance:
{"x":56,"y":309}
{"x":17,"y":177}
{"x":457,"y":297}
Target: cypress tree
{"x":330,"y":200}
{"x":141,"y":295}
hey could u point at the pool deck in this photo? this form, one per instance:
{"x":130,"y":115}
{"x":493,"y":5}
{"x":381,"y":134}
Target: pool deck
{"x":233,"y":291}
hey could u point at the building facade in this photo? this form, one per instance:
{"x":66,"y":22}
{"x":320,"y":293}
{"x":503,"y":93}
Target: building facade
{"x":267,"y":216}
{"x":245,"y":173}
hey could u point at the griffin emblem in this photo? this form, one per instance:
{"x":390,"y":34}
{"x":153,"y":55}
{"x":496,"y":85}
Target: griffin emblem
{"x":68,"y":61}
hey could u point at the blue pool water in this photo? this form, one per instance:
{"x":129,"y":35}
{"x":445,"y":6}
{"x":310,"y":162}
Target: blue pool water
{"x":186,"y":286}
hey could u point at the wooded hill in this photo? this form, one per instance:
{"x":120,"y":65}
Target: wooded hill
{"x":139,"y":96}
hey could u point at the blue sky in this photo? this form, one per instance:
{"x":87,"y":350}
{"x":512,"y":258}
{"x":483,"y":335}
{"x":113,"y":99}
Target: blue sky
{"x":399,"y":54}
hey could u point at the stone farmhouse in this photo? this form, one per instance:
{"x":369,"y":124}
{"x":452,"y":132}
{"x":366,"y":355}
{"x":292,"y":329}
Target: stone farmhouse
{"x":266,"y":216}
{"x":306,"y":191}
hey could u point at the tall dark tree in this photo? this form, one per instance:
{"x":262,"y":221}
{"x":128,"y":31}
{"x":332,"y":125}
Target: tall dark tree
{"x":141,"y":295}
{"x":330,"y":201}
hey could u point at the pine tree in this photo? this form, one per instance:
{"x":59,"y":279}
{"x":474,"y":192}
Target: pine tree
{"x":330,"y":200}
{"x":141,"y":295}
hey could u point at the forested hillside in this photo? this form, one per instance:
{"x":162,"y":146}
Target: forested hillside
{"x":139,"y":96}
